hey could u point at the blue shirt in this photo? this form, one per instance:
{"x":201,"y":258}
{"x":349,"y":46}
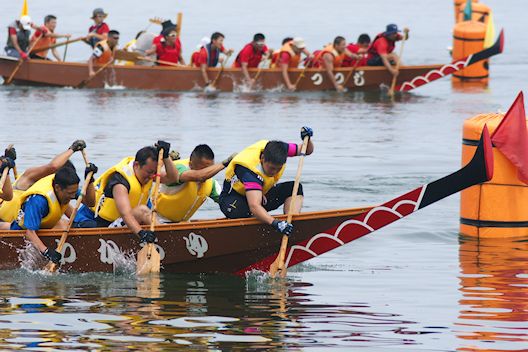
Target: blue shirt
{"x":84,"y":214}
{"x":35,"y":209}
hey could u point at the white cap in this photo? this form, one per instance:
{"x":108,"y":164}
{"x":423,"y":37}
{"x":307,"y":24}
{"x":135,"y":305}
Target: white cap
{"x":25,"y":21}
{"x":203,"y":42}
{"x":299,"y":43}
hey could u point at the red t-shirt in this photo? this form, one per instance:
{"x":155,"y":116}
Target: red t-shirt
{"x":284,"y":58}
{"x":382,"y":45}
{"x":157,"y":40}
{"x":169,"y":53}
{"x":203,"y":57}
{"x":12,"y":31}
{"x":102,"y":29}
{"x":349,"y":62}
{"x":250,"y":55}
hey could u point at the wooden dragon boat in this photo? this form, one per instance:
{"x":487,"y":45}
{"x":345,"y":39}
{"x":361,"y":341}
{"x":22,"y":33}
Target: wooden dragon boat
{"x":65,"y":74}
{"x":241,"y":245}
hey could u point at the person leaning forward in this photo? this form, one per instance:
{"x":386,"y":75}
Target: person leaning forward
{"x":123,"y":192}
{"x":380,"y":52}
{"x":103,"y":52}
{"x":251,"y":186}
{"x":290,"y":57}
{"x":251,"y":56}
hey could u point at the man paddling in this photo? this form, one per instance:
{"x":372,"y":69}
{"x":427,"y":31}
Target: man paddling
{"x":251,"y":56}
{"x":103,"y":52}
{"x":44,"y":37}
{"x":18,"y":37}
{"x":180,"y":200}
{"x":6,"y":193}
{"x":290,"y":57}
{"x":251,"y":186}
{"x":99,"y":30}
{"x":123,"y":192}
{"x":380,"y":52}
{"x":359,"y":48}
{"x":209,"y":55}
{"x":8,"y":210}
{"x":168,"y":49}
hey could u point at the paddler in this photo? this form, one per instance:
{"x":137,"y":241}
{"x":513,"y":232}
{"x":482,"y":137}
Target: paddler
{"x":290,"y":57}
{"x":123,"y":192}
{"x":251,"y":56}
{"x":103,"y":52}
{"x":209,"y":55}
{"x":99,"y":30}
{"x":169,"y":48}
{"x":359,"y":48}
{"x":6,"y":193}
{"x":18,"y":37}
{"x":43,"y":205}
{"x":251,"y":186}
{"x":8,"y":210}
{"x":44,"y":37}
{"x":380,"y":52}
{"x":275,"y":55}
{"x":180,"y":200}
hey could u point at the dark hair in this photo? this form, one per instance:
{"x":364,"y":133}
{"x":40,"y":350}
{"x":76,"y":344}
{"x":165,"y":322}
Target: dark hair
{"x":275,"y":152}
{"x":113,"y":32}
{"x":146,"y":153}
{"x":70,"y":165}
{"x":287,"y":39}
{"x":168,"y":30}
{"x":217,"y":35}
{"x":364,"y":39}
{"x":139,"y":34}
{"x":338,"y":40}
{"x":258,"y":37}
{"x":65,"y":176}
{"x":202,"y":151}
{"x":49,"y":18}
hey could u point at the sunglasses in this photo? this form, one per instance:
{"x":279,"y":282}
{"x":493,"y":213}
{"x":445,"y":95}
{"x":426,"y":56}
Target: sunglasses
{"x":173,"y":35}
{"x":115,"y":38}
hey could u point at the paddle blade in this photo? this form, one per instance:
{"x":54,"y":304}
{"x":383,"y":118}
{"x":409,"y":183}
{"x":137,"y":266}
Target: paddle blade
{"x":51,"y":267}
{"x":148,"y":260}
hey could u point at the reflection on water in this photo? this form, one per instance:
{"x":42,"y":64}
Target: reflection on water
{"x":494,"y":285}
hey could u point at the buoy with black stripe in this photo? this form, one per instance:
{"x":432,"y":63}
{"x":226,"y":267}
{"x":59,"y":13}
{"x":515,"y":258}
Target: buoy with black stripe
{"x":468,"y":38}
{"x":499,"y":207}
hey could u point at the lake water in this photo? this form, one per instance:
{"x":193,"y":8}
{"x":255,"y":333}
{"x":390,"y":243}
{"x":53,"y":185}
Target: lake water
{"x":412,"y":286}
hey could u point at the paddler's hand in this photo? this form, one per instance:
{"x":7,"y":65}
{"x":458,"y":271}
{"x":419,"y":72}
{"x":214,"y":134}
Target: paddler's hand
{"x":23,"y":55}
{"x":394,"y":71}
{"x":10,"y":153}
{"x":6,"y":162}
{"x":146,"y":236}
{"x":406,"y":33}
{"x":228,"y":159}
{"x":174,"y":155}
{"x":306,"y":132}
{"x":90,"y":168}
{"x":340,"y":88}
{"x":283,"y":227}
{"x":52,"y":255}
{"x":78,"y":145}
{"x":291,"y":87}
{"x":91,"y":74}
{"x":165,"y":146}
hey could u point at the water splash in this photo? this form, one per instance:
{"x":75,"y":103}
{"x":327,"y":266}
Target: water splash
{"x":196,"y":322}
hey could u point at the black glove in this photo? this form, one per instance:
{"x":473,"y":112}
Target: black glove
{"x":147,"y":236}
{"x":306,"y":131}
{"x":174,"y":155}
{"x":165,"y":146}
{"x":6,"y":162}
{"x":283,"y":227}
{"x":228,"y":160}
{"x":90,"y":168}
{"x":78,"y":145}
{"x":10,"y":153}
{"x":52,"y":255}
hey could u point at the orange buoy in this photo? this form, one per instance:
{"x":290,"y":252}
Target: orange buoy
{"x":468,"y":38}
{"x":479,"y":12}
{"x":497,"y":208}
{"x":461,"y":3}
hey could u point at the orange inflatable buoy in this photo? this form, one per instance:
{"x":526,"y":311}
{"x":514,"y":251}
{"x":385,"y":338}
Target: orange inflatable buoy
{"x":468,"y":38}
{"x":497,"y":208}
{"x":458,"y":4}
{"x":479,"y":12}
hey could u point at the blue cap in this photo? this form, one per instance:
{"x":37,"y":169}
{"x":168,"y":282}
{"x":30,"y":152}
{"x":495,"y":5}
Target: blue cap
{"x":391,"y":29}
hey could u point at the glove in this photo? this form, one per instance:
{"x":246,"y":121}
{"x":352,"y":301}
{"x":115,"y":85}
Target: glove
{"x":147,"y":236}
{"x":90,"y":168}
{"x":174,"y":155}
{"x":10,"y":153}
{"x":306,"y":131}
{"x":6,"y":162}
{"x":23,"y":55}
{"x":78,"y":145}
{"x":283,"y":227}
{"x":228,"y":160}
{"x":52,"y":255}
{"x":165,"y":146}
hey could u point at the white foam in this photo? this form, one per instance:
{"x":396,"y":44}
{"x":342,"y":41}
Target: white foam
{"x":195,"y":322}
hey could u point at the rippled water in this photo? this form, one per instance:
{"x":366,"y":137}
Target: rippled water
{"x":412,"y":286}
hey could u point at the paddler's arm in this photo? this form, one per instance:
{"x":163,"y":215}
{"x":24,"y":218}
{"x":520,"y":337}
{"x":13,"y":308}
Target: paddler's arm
{"x":14,"y":41}
{"x":56,"y":54}
{"x":7,"y":191}
{"x":91,"y":71}
{"x":387,"y":64}
{"x":352,"y":55}
{"x":120,"y":194}
{"x":254,"y":198}
{"x":329,"y":66}
{"x":89,"y":197}
{"x":9,"y":163}
{"x":171,"y":174}
{"x":181,"y":60}
{"x":205,"y":76}
{"x":286,"y":76}
{"x":35,"y":240}
{"x":151,"y":51}
{"x":245,"y":72}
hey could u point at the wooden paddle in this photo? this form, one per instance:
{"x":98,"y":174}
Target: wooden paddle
{"x":58,"y":45}
{"x":301,"y":76}
{"x":278,"y":264}
{"x":148,"y":258}
{"x":21,"y":62}
{"x":393,"y":85}
{"x":213,"y":84}
{"x":351,"y":73}
{"x":89,"y":79}
{"x":51,"y":266}
{"x":179,"y":21}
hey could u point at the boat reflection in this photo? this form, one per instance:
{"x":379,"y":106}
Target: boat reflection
{"x":494,"y":285}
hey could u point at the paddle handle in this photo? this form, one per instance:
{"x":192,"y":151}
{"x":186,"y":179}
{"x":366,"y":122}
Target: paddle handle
{"x":8,"y":81}
{"x":393,"y":84}
{"x":58,"y":44}
{"x":351,"y":73}
{"x":179,"y":20}
{"x":301,"y":76}
{"x":156,"y":191}
{"x":221,"y":69}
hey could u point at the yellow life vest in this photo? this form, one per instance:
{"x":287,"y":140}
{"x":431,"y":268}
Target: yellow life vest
{"x":137,"y":195}
{"x":9,"y":209}
{"x":43,"y":187}
{"x":250,"y":159}
{"x":181,"y":205}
